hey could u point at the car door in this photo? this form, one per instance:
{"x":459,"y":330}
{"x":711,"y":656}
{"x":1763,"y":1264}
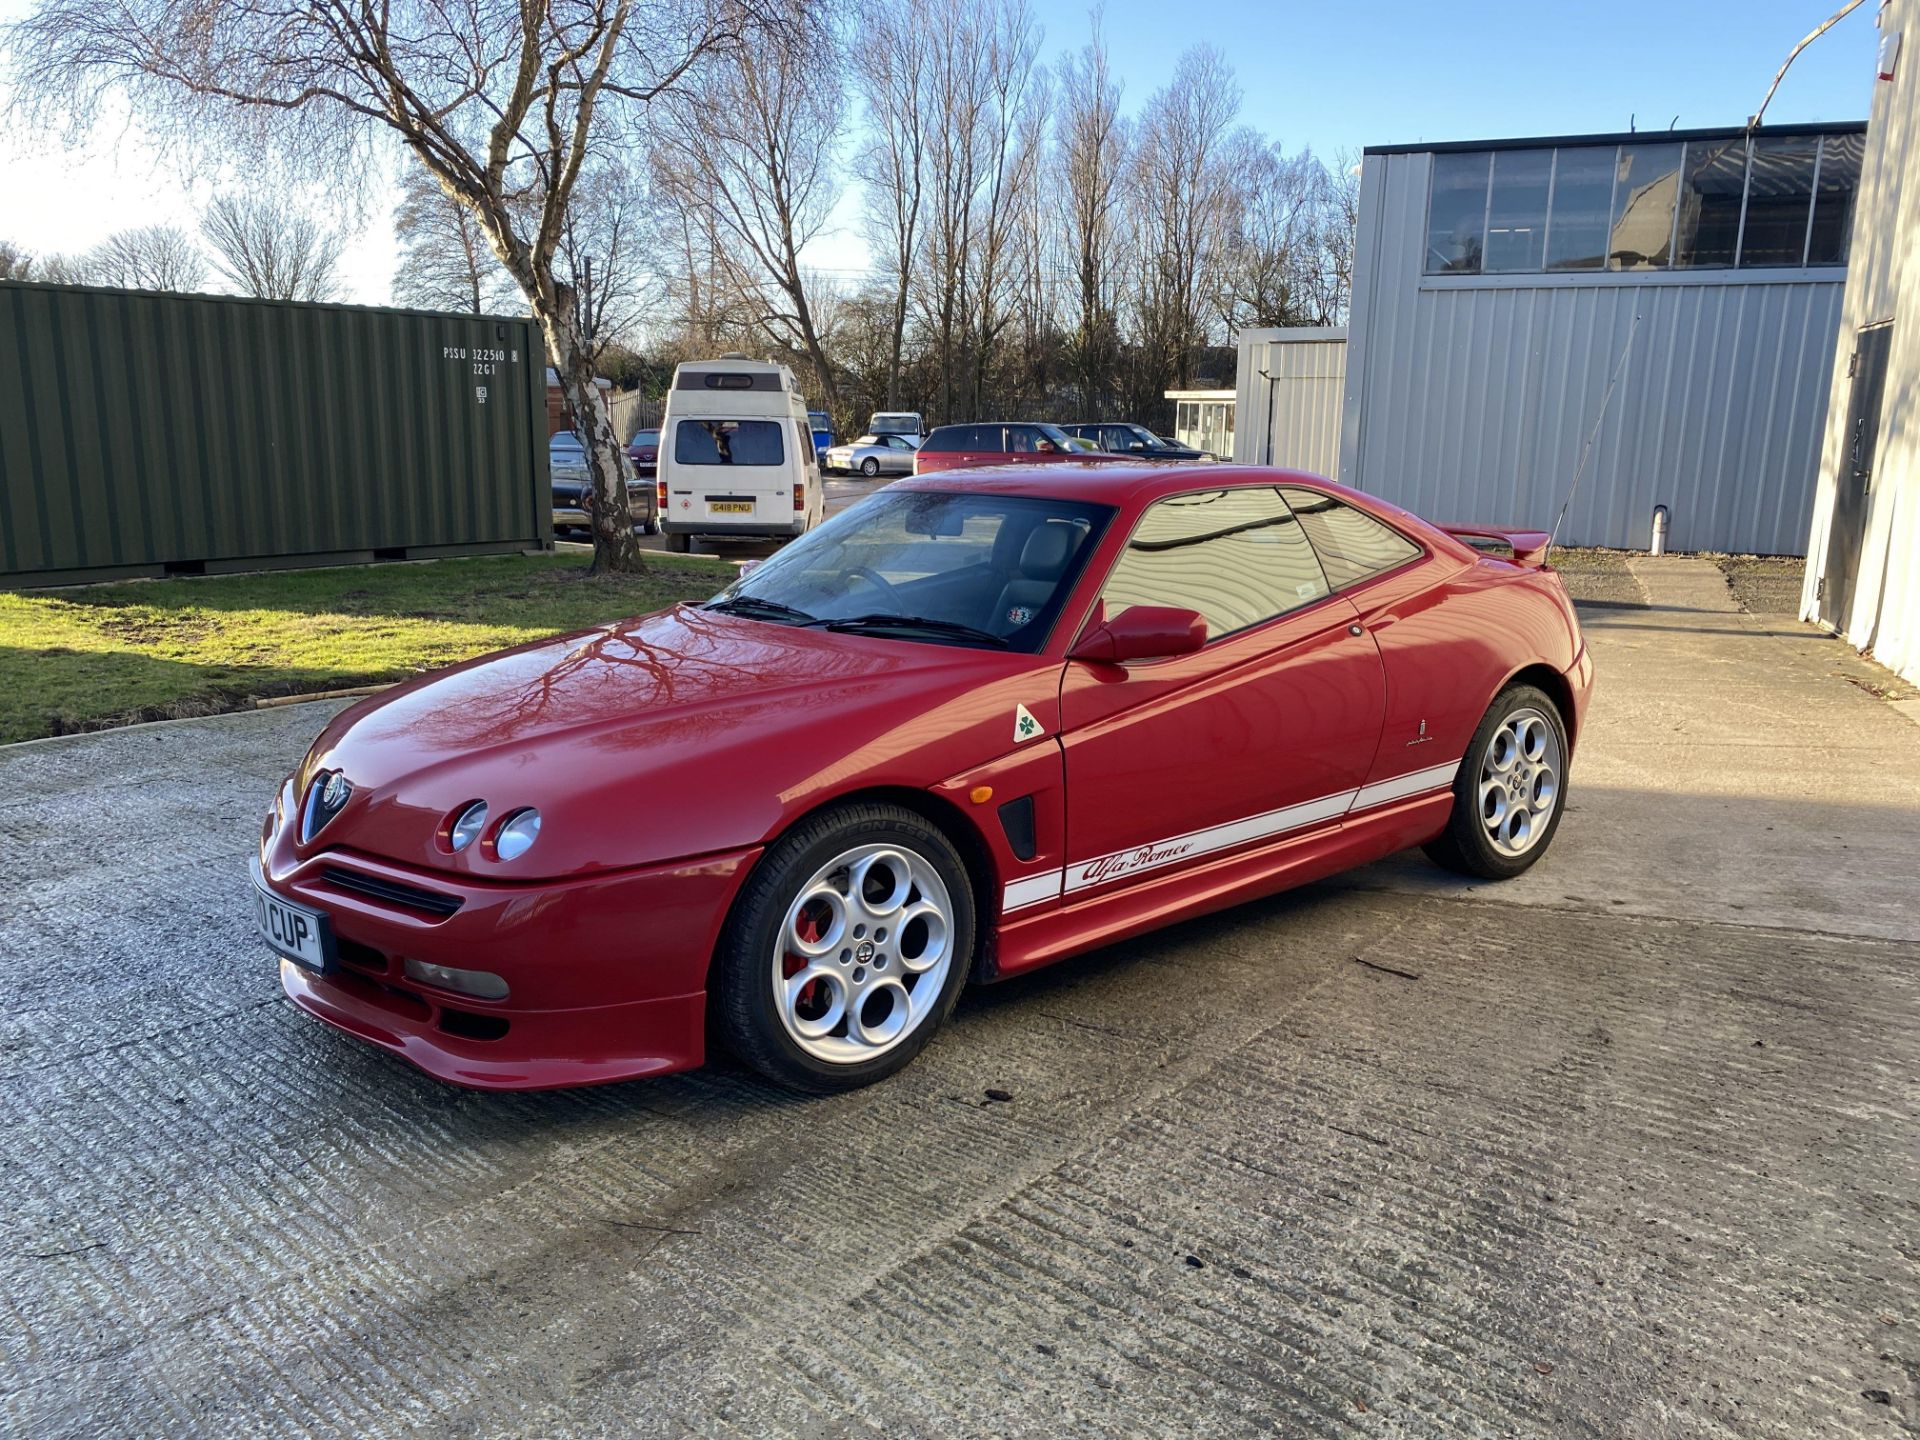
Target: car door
{"x":1440,"y":643}
{"x":1264,"y":733}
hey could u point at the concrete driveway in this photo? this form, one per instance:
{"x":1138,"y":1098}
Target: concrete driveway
{"x":1629,"y":1147}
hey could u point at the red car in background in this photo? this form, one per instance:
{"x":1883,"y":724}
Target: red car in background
{"x":644,"y":451}
{"x":959,"y":447}
{"x":969,"y":726}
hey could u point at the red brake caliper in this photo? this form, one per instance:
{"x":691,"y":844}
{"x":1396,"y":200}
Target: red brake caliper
{"x":809,"y":929}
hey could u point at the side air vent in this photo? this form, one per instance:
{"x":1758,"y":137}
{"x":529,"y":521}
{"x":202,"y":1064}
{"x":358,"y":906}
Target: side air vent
{"x":1016,"y":818}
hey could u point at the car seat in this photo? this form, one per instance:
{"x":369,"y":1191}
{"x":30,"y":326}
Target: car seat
{"x":1043,"y":560}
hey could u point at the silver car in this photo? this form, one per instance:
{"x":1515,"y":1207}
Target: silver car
{"x":873,"y":455}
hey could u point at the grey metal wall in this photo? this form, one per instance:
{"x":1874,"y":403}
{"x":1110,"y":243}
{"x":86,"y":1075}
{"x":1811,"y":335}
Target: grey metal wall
{"x":141,"y":432}
{"x":1471,"y":397}
{"x":1292,"y":384}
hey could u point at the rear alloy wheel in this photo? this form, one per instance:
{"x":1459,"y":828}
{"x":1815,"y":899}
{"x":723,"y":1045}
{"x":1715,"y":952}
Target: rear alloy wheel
{"x":1508,"y":795}
{"x":846,"y":949}
{"x":870,"y":467}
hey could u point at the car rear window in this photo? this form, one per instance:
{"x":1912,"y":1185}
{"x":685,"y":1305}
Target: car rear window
{"x":728,"y":442}
{"x":1351,"y":545}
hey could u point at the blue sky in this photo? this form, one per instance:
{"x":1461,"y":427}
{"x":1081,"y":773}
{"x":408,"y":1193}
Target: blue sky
{"x":1347,"y":75}
{"x":1331,"y":76}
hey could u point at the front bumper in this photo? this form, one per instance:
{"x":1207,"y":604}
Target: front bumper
{"x":606,"y":973}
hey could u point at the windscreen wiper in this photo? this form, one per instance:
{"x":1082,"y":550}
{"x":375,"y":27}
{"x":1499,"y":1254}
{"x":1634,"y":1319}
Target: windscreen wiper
{"x":755,"y":608}
{"x":924,"y":623}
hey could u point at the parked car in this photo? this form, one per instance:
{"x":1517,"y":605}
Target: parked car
{"x":822,"y":426}
{"x":572,"y":484}
{"x":956,"y":447}
{"x":644,"y":451}
{"x":873,"y":455}
{"x":737,"y":458}
{"x":861,"y":758}
{"x":898,"y":422}
{"x":1125,"y":438}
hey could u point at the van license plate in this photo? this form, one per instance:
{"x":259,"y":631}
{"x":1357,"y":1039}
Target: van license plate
{"x":730,"y":507}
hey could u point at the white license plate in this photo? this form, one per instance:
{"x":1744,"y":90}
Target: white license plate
{"x":730,"y":507}
{"x":301,"y":935}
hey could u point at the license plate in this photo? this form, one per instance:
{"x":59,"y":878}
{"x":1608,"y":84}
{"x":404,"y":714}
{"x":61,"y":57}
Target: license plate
{"x":301,"y":935}
{"x":730,"y":507}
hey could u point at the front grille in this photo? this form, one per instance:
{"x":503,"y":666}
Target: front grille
{"x":394,"y":892}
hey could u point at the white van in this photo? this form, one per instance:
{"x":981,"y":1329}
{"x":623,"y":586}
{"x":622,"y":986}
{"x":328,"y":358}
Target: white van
{"x":898,"y":422}
{"x":736,"y":455}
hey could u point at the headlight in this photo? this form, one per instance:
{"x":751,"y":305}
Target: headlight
{"x":517,"y":834}
{"x":468,"y":824}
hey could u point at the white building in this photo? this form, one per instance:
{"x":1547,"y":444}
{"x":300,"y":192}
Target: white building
{"x":1666,"y":301}
{"x":1863,"y":548}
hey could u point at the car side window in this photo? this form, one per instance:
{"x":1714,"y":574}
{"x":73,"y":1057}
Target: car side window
{"x":1351,"y":544}
{"x":1020,"y":439}
{"x":1236,"y":556}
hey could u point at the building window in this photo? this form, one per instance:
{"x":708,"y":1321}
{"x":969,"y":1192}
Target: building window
{"x":1644,"y":181}
{"x":1517,"y":211}
{"x":1779,"y":200}
{"x":1838,"y":177}
{"x":1711,"y":192}
{"x":1457,"y":212}
{"x":1582,"y":208}
{"x":1783,"y":200}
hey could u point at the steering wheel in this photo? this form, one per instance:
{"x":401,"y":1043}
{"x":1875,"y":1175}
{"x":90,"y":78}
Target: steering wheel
{"x":879,"y":582}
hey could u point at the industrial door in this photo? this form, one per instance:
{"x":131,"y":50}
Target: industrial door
{"x":1869,"y":372}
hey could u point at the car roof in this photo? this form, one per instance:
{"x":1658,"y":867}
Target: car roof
{"x":1123,"y":482}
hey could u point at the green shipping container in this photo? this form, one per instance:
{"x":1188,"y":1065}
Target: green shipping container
{"x":144,"y":433}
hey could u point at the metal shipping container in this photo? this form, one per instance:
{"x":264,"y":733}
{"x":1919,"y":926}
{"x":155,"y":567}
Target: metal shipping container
{"x":145,"y":433}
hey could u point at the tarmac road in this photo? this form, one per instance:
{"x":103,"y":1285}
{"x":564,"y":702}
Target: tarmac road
{"x":1628,"y":1147}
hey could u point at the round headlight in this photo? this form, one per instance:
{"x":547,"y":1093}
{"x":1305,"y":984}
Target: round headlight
{"x":468,"y":824}
{"x":517,"y":834}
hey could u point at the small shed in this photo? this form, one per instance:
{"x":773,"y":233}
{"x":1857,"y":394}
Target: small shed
{"x":1292,"y":383}
{"x":1204,"y":419}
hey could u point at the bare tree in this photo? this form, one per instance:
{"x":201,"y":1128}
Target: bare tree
{"x":445,"y":261}
{"x":151,"y":257}
{"x":604,"y":244}
{"x":1184,"y":189}
{"x":1090,"y":159}
{"x":894,"y":70}
{"x":496,"y":101}
{"x":1272,"y":266}
{"x":753,"y":143}
{"x":15,"y":263}
{"x":266,"y":248}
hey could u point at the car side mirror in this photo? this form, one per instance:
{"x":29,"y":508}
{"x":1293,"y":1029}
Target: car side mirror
{"x":1142,"y":632}
{"x":1138,"y":446}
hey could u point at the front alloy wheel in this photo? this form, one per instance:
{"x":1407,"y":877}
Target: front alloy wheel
{"x":845,"y":949}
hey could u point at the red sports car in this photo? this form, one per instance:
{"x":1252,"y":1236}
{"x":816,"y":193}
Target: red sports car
{"x":971,"y":725}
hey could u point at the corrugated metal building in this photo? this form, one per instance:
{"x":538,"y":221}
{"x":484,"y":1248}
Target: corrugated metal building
{"x":145,"y":433}
{"x":1500,"y":286}
{"x":1863,"y":570}
{"x":1292,"y":383}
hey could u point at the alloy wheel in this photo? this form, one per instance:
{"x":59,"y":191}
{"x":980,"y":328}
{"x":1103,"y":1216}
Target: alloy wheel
{"x":1520,"y":774}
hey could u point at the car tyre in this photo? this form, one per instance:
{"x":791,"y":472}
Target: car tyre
{"x":766,"y":1022}
{"x":1510,"y":790}
{"x":870,"y":467}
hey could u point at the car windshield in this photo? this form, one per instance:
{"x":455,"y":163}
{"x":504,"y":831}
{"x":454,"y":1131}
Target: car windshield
{"x":938,"y":566}
{"x":646,"y":439}
{"x":566,"y":443}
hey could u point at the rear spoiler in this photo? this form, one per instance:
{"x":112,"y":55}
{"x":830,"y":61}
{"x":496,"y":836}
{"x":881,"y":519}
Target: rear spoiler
{"x":1524,"y":547}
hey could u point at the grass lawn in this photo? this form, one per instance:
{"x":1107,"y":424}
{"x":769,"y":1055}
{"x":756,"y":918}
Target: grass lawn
{"x":87,"y":658}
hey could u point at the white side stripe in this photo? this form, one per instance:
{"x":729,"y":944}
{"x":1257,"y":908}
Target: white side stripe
{"x":1085,"y":873}
{"x":1031,"y":890}
{"x":1400,"y":786}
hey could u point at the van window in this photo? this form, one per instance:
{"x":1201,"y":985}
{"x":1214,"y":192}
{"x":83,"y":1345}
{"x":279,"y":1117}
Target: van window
{"x":728,"y":442}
